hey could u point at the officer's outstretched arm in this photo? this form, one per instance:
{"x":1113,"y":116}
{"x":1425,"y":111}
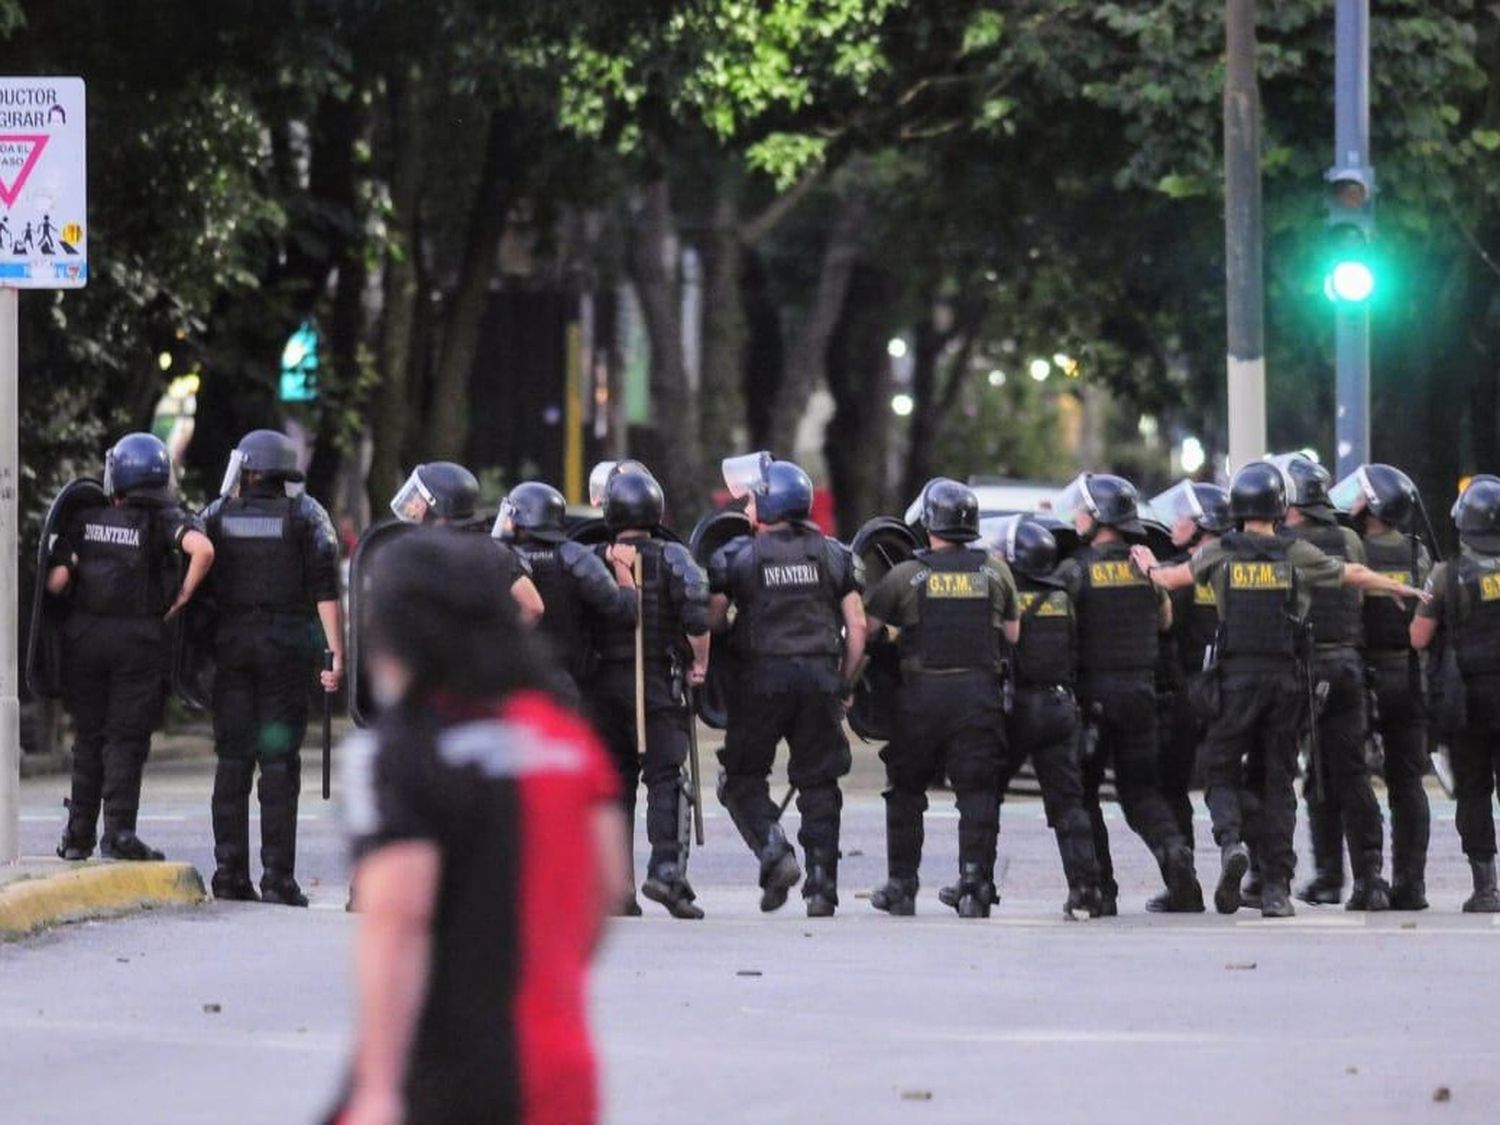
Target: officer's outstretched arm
{"x":1176,"y":577}
{"x":853,"y":608}
{"x":528,"y":600}
{"x":1361,"y":577}
{"x":199,"y":549}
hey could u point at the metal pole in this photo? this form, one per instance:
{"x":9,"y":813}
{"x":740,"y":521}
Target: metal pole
{"x":1351,"y":150}
{"x":10,"y":587}
{"x":1243,"y":236}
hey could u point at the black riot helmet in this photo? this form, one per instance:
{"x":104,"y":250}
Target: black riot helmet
{"x":269,"y":453}
{"x":1112,"y":502}
{"x":950,"y":511}
{"x":1383,"y":491}
{"x":1477,"y":515}
{"x":1214,"y":500}
{"x":535,"y":508}
{"x":1205,"y":505}
{"x":437,"y":491}
{"x":781,"y":489}
{"x":1307,"y":484}
{"x":1258,"y":492}
{"x":139,"y":466}
{"x":633,"y":502}
{"x":1029,"y":547}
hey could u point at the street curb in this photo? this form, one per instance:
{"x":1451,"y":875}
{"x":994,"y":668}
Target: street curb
{"x":95,"y":891}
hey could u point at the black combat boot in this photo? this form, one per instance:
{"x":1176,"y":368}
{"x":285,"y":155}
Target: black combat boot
{"x":1109,"y":899}
{"x":1327,"y":885}
{"x":897,"y":897}
{"x":1486,"y":897}
{"x":124,"y":844}
{"x":821,"y":891}
{"x":233,"y":779}
{"x":1235,"y":861}
{"x":1369,"y":892}
{"x":977,"y":887}
{"x":1183,"y":895}
{"x":280,"y":783}
{"x":1275,"y":900}
{"x":1085,"y":899}
{"x":1409,"y":894}
{"x":667,"y":886}
{"x":231,"y":880}
{"x":1250,"y":892}
{"x":779,"y":872}
{"x":80,"y":834}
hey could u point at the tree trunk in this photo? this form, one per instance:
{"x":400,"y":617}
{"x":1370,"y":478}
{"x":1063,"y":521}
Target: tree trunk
{"x":725,"y":332}
{"x":807,"y":361}
{"x":857,"y":443}
{"x":927,"y":350}
{"x":650,"y":243}
{"x":448,"y":421}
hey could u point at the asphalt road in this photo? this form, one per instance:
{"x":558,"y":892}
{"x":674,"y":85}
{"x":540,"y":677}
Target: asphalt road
{"x":239,"y":1013}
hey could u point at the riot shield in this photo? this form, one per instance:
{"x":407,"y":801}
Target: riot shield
{"x":362,"y":705}
{"x":713,"y":531}
{"x":881,"y":545}
{"x":44,"y":644}
{"x":193,"y":663}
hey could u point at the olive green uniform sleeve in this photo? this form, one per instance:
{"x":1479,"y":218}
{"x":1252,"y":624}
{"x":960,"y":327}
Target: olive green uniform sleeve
{"x":1437,"y":586}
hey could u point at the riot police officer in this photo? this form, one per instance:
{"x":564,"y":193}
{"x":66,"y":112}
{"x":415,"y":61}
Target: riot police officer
{"x":1346,"y":808}
{"x":954,"y":606}
{"x":576,"y":586}
{"x":1043,"y":721}
{"x":445,"y":494}
{"x":1464,"y":615}
{"x":1196,"y":513}
{"x":276,"y":593}
{"x":116,"y":566}
{"x":794,"y":592}
{"x":1384,"y":504}
{"x":1120,"y":618}
{"x":1257,"y":698}
{"x":673,"y":608}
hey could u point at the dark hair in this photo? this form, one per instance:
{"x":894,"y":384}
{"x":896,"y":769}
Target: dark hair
{"x":440,"y":603}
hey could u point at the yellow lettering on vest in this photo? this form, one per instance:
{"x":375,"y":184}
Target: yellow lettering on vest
{"x":1114,"y":573}
{"x":1489,"y":587}
{"x":1260,"y":576}
{"x":942,"y":585}
{"x":1401,"y":576}
{"x":1053,"y":605}
{"x":1203,"y":594}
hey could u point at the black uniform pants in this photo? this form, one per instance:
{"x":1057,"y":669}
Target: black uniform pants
{"x":808,"y":715}
{"x":266,"y":670}
{"x":1182,"y":731}
{"x":1349,"y":812}
{"x":611,"y":706}
{"x":1402,"y":723}
{"x":1044,"y":727}
{"x":115,"y":686}
{"x":1250,"y":767}
{"x":1123,"y":713}
{"x":949,"y":724}
{"x":1475,"y":755}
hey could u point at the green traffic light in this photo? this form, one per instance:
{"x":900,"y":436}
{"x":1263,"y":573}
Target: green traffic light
{"x":1350,"y":282}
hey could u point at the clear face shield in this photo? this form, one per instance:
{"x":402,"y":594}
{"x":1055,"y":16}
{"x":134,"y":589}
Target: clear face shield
{"x":505,"y":522}
{"x":746,"y":474}
{"x":599,"y":478}
{"x":1001,"y":535}
{"x":1352,"y":494}
{"x":413,"y":501}
{"x":1074,"y":499}
{"x":232,"y":473}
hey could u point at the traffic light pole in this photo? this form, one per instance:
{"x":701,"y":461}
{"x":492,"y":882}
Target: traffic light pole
{"x":10,"y":595}
{"x":1244,"y":291}
{"x":1351,"y":153}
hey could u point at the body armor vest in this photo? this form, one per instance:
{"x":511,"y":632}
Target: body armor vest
{"x":1478,"y":627}
{"x":1118,"y":621}
{"x":1387,"y":620}
{"x":120,"y":571}
{"x":562,"y":623}
{"x":1195,"y":614}
{"x":792,"y":610}
{"x":258,"y":555}
{"x":1260,"y":632}
{"x":660,"y":620}
{"x":955,"y":627}
{"x":1047,"y":653}
{"x":1336,"y":611}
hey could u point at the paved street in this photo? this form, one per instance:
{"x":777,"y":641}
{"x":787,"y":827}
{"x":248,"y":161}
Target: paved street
{"x":239,"y":1013}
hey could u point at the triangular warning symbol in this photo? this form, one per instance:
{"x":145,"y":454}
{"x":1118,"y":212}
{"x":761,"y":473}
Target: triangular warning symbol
{"x":13,"y":176}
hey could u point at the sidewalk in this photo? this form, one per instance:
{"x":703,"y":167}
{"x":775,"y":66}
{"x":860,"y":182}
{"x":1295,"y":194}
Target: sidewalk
{"x":38,"y":893}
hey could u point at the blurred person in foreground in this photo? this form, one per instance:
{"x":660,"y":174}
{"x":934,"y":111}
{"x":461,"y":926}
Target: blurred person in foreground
{"x":489,"y":847}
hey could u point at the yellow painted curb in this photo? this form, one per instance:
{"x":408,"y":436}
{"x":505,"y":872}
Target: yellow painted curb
{"x":95,"y":891}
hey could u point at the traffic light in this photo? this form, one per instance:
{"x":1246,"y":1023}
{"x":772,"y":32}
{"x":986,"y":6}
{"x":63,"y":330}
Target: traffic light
{"x":1349,"y":274}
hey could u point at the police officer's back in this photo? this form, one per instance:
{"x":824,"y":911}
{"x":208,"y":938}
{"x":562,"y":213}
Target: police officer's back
{"x":116,"y":565}
{"x":276,"y":594}
{"x":798,"y":637}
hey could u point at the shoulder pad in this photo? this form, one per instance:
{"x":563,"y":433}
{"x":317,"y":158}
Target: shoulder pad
{"x":569,"y":553}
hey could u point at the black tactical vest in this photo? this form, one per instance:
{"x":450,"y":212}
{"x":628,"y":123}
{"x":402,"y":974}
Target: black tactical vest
{"x":1387,"y":620}
{"x":1336,"y":614}
{"x":258,"y":555}
{"x":955,"y":627}
{"x":1260,"y":633}
{"x":1047,"y":653}
{"x":1118,"y":620}
{"x":1195,"y":624}
{"x":791,"y":609}
{"x":562,"y":623}
{"x":661,"y":622}
{"x":1478,"y":625}
{"x":120,"y":572}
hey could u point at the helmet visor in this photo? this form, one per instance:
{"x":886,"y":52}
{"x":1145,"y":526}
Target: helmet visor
{"x":1074,"y":499}
{"x":1000,"y":534}
{"x":1353,"y":493}
{"x":598,"y":480}
{"x":505,"y":521}
{"x":1180,"y":502}
{"x":231,"y":483}
{"x":746,"y":473}
{"x":413,"y":501}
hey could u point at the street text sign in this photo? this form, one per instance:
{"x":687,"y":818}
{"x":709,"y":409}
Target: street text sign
{"x":43,"y":184}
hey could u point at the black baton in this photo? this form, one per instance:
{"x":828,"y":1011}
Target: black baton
{"x":327,"y":728}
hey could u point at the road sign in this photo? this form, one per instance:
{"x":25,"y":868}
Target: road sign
{"x":43,"y":184}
